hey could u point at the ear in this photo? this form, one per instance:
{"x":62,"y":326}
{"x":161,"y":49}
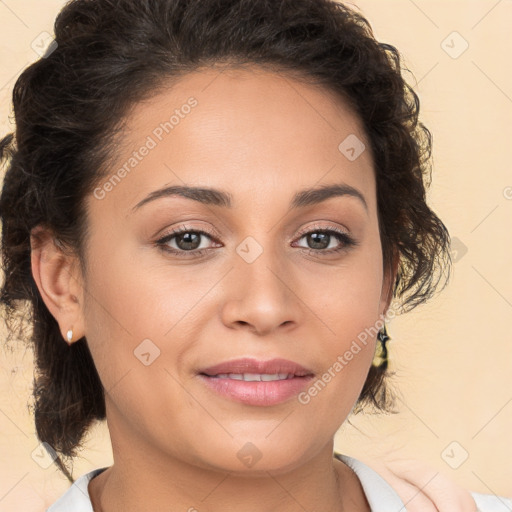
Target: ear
{"x":59,"y":280}
{"x":388,"y":284}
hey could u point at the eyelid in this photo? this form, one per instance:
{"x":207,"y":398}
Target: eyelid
{"x":186,"y":228}
{"x":320,"y":227}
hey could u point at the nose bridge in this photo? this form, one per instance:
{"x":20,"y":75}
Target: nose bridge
{"x":261,"y":263}
{"x":261,"y":295}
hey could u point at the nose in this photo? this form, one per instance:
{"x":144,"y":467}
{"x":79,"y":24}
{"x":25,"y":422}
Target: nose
{"x":261,"y":295}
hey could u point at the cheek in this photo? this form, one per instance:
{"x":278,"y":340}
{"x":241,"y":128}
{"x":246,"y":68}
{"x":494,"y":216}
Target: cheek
{"x":349,"y":296}
{"x":135,"y":298}
{"x":348,"y":302}
{"x":139,"y":312}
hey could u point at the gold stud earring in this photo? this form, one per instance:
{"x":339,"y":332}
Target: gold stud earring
{"x":69,"y":336}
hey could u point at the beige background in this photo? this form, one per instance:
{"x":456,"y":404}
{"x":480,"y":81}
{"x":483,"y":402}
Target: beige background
{"x":453,"y":357}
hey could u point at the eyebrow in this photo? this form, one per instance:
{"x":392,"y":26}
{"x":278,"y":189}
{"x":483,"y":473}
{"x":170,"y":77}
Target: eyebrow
{"x":216,"y":197}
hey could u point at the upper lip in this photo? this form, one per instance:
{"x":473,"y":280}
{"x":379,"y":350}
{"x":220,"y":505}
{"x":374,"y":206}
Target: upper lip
{"x":249,"y":365}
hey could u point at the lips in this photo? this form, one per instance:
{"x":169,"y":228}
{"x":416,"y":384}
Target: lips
{"x":254,"y":366}
{"x":255,"y":382}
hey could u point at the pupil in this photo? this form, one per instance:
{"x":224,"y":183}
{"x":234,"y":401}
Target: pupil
{"x":322,"y":236}
{"x":187,"y":237}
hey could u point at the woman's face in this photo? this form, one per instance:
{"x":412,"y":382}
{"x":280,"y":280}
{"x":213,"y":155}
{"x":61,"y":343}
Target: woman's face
{"x":264,"y":283}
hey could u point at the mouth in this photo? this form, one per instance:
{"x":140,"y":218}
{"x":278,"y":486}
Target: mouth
{"x":277,"y":369}
{"x":254,"y":377}
{"x":256,"y":382}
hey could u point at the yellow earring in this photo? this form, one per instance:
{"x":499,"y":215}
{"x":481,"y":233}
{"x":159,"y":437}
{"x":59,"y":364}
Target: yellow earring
{"x":381,"y":354}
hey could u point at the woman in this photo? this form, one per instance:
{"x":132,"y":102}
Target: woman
{"x":211,"y":202}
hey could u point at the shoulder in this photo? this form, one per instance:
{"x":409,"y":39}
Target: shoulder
{"x":381,"y":496}
{"x":492,"y":503}
{"x":77,"y":497}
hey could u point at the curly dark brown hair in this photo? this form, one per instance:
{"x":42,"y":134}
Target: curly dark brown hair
{"x":108,"y":55}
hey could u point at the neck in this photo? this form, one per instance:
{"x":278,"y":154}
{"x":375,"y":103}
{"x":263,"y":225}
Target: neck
{"x":141,"y":478}
{"x":319,"y":485}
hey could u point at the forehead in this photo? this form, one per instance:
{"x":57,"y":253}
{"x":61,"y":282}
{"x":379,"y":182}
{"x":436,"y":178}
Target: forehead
{"x":247,"y":97}
{"x":243,"y":130}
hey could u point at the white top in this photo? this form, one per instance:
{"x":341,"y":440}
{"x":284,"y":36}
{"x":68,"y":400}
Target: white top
{"x":380,"y":495}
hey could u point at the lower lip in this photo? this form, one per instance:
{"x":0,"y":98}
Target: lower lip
{"x":257,"y":392}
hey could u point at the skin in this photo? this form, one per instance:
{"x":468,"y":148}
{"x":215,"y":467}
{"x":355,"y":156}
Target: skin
{"x":261,"y":137}
{"x":422,"y":488}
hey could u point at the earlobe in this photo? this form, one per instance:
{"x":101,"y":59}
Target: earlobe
{"x":55,"y":274}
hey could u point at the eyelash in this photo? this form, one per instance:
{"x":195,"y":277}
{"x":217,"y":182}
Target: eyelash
{"x":347,"y":241}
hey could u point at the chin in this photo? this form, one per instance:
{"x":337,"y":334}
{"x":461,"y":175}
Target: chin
{"x":254,"y":455}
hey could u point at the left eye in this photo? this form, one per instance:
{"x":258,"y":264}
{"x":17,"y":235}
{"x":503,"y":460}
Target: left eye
{"x":321,"y":238}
